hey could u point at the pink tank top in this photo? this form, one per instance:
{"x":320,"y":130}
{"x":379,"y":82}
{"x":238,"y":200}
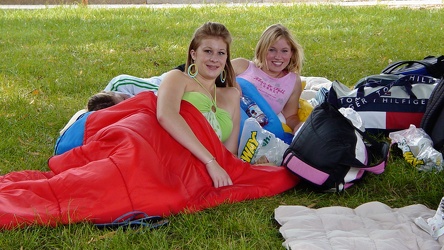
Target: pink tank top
{"x":276,"y":91}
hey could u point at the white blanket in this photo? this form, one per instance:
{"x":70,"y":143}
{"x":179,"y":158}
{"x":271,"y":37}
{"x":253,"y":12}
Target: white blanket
{"x":372,"y":225}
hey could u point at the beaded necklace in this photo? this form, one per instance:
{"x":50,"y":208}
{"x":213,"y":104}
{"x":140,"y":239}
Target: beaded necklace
{"x":213,"y":100}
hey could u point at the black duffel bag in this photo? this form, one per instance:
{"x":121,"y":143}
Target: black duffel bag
{"x":429,"y":66}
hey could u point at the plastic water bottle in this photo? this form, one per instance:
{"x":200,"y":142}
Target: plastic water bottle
{"x":253,"y":110}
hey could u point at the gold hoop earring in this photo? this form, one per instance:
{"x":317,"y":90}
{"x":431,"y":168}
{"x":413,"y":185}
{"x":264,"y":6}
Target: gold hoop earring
{"x":223,"y":76}
{"x":190,"y":69}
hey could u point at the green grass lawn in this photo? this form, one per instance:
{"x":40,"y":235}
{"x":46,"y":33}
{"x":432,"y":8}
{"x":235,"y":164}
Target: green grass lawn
{"x":53,"y":60}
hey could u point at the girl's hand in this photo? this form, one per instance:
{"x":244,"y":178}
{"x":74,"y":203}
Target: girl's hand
{"x":218,"y":175}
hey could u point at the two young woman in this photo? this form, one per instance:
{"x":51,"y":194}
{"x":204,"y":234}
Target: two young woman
{"x":274,"y":72}
{"x":151,"y":154}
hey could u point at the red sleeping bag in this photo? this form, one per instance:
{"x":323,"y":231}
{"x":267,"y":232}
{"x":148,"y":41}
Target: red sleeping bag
{"x":129,"y":162}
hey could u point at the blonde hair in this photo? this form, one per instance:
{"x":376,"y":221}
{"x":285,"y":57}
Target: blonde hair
{"x":209,"y":30}
{"x":270,"y":36}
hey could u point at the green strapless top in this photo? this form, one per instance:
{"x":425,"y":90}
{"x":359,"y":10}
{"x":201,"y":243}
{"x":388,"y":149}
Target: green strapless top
{"x":219,"y":120}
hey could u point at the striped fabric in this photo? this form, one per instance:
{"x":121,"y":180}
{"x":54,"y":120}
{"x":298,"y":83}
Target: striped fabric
{"x":132,"y":85}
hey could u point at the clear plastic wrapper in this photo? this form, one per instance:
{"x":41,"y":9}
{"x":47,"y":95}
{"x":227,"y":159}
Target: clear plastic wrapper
{"x":417,"y":148}
{"x":257,"y":145}
{"x":354,"y":118}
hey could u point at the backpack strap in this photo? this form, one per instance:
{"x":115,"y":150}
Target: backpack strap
{"x":303,"y":169}
{"x":374,"y":147}
{"x":308,"y":172}
{"x":134,"y":220}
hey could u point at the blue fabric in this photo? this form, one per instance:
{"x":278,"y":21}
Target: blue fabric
{"x":73,"y":136}
{"x":274,"y":124}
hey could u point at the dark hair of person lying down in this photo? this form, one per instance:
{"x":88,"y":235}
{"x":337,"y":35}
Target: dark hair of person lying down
{"x":102,"y":100}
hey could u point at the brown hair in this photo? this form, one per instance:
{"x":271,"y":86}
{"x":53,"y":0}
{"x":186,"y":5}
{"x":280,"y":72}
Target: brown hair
{"x":102,"y":100}
{"x":270,"y":36}
{"x":208,"y":30}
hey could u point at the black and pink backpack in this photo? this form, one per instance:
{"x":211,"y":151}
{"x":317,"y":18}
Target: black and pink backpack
{"x":329,"y":152}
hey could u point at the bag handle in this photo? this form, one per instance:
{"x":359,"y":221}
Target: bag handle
{"x":434,"y":69}
{"x":389,"y":69}
{"x":404,"y":81}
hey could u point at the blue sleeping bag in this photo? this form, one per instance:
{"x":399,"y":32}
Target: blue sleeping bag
{"x":274,"y":124}
{"x":73,"y":136}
